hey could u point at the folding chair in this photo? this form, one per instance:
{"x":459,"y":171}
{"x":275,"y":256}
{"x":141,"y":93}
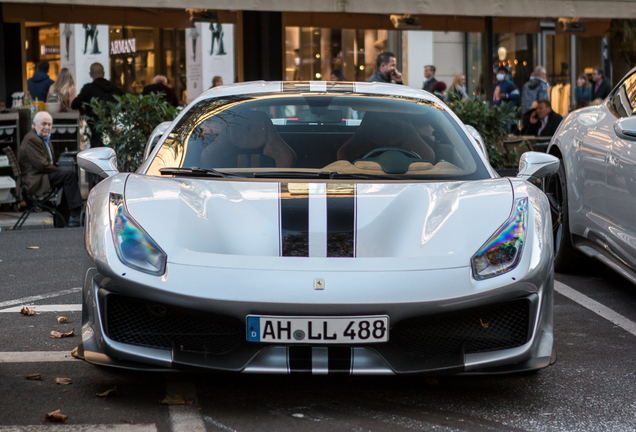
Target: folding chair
{"x":46,"y":202}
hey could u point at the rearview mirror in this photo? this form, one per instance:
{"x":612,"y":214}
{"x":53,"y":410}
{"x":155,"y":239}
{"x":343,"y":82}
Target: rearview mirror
{"x":625,"y":128}
{"x":101,"y":161}
{"x":535,"y":165}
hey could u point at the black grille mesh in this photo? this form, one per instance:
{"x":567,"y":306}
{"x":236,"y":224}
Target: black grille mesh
{"x":486,"y":328}
{"x":140,"y":322}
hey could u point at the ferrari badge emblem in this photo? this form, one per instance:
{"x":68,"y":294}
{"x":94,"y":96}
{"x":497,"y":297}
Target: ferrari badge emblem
{"x":319,"y":284}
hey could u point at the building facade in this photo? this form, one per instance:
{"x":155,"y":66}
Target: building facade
{"x":299,"y":40}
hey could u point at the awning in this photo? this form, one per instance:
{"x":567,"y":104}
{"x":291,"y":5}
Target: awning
{"x":598,"y":9}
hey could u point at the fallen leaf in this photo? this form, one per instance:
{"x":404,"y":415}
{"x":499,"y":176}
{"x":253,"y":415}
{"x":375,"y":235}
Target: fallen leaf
{"x":63,"y":381}
{"x":55,"y":416}
{"x":128,"y":421}
{"x":56,"y":334}
{"x":176,"y":400}
{"x":62,"y":320}
{"x":107,"y":392}
{"x":26,"y":311}
{"x":75,"y":353}
{"x":35,"y":376}
{"x":33,"y":247}
{"x":431,"y":381}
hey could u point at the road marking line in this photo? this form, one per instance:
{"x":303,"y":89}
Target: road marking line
{"x":184,"y":418}
{"x":82,"y":428}
{"x":35,"y":356}
{"x":46,"y":308}
{"x":596,"y":307}
{"x":217,"y":424}
{"x":40,"y":297}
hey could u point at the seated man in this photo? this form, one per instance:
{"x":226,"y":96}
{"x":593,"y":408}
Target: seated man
{"x":38,"y":171}
{"x":543,"y":122}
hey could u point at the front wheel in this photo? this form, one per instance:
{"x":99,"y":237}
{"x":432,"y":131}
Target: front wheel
{"x":566,"y":257}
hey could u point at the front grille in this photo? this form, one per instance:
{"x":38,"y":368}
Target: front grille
{"x":150,"y":324}
{"x":486,"y":328}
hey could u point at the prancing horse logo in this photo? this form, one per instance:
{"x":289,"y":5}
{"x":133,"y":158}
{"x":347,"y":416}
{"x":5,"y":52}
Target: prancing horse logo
{"x":319,"y":284}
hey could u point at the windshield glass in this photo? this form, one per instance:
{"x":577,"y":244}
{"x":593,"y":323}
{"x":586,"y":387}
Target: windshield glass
{"x":305,"y":135}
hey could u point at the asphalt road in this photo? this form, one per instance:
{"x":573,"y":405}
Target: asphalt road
{"x":590,"y":388}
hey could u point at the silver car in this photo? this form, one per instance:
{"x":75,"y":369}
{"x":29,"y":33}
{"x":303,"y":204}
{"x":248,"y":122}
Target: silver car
{"x":593,"y":194}
{"x":318,"y":228}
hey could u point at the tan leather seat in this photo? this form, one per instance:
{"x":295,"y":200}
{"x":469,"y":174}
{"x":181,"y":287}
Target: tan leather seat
{"x":384,"y":130}
{"x":247,"y":140}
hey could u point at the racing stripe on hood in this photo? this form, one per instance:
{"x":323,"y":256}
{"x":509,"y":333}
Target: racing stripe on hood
{"x":317,"y":220}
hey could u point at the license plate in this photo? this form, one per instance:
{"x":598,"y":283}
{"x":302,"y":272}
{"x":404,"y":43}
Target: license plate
{"x":318,"y":330}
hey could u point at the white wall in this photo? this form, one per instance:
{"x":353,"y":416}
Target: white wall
{"x":417,"y":53}
{"x":444,"y":50}
{"x":448,"y":55}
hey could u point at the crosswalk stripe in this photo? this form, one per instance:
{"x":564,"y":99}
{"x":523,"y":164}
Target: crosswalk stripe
{"x":35,"y":356}
{"x":27,"y":300}
{"x":82,"y":428}
{"x":46,"y":308}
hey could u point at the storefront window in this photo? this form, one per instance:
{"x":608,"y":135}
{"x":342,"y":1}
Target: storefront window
{"x":133,"y":66}
{"x":314,"y":53}
{"x":173,"y":62}
{"x":43,"y":43}
{"x":516,"y":53}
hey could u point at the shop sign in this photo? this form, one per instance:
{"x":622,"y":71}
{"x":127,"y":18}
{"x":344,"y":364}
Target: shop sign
{"x":49,"y":49}
{"x":123,"y":46}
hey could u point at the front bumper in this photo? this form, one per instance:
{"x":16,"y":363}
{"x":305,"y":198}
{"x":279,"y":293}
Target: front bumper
{"x":505,"y":329}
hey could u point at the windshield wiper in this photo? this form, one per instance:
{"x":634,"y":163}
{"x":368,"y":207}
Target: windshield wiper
{"x":195,"y":171}
{"x":325,"y":175}
{"x":294,"y":174}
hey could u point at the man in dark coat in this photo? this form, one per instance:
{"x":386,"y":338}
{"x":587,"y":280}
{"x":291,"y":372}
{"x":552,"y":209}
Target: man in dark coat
{"x":100,"y":89}
{"x":160,"y":85}
{"x":601,"y":87}
{"x":38,"y":85}
{"x":543,"y":121}
{"x":429,"y":83}
{"x":386,"y":71}
{"x":39,"y":173}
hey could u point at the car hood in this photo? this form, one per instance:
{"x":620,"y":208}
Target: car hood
{"x":269,"y":225}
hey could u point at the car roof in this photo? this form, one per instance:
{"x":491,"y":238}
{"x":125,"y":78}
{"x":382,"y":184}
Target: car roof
{"x":318,"y":87}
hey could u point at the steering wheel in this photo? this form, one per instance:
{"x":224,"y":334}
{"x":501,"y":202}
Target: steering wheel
{"x":378,"y":151}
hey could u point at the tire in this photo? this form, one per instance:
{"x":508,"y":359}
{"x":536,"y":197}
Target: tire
{"x":566,"y":257}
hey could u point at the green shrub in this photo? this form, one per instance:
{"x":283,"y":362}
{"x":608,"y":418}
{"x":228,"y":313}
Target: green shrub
{"x":127,"y":123}
{"x":492,"y":122}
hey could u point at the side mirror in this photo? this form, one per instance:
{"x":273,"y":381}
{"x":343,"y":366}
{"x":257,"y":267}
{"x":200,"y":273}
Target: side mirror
{"x":101,"y":161}
{"x":625,"y":128}
{"x":535,"y":165}
{"x":479,"y":139}
{"x":155,"y":136}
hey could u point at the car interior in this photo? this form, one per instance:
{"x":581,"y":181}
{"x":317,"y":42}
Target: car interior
{"x":346,"y":136}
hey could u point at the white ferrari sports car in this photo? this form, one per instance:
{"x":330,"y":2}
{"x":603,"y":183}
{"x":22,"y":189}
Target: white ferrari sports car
{"x":318,"y":227}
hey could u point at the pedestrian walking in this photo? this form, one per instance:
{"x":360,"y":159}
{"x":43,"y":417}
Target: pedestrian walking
{"x":583,"y":89}
{"x":39,"y":84}
{"x":505,"y":90}
{"x":386,"y":71}
{"x":62,"y":92}
{"x":535,"y":89}
{"x":458,"y":87}
{"x":601,"y":88}
{"x":429,"y":74}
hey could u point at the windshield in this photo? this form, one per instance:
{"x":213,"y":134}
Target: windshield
{"x":303,"y":135}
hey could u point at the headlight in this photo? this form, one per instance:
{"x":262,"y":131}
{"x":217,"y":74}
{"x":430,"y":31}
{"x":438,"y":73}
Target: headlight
{"x":134,"y":246}
{"x":502,"y":251}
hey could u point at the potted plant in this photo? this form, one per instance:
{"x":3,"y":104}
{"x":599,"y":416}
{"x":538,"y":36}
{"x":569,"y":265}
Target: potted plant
{"x":127,"y":123}
{"x":493,"y":123}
